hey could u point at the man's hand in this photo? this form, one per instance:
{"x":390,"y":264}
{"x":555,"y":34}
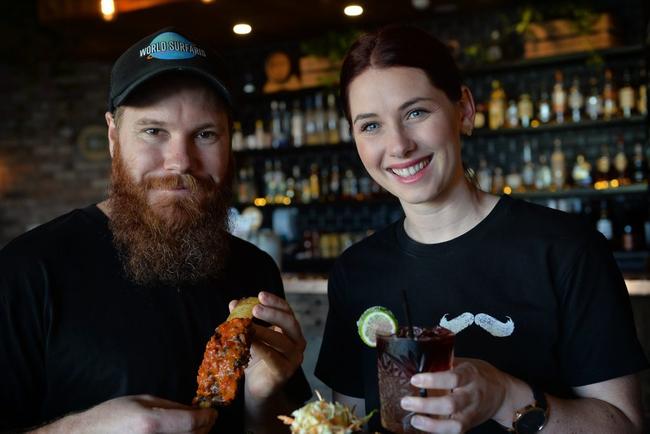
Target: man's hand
{"x":276,"y":351}
{"x":139,"y":414}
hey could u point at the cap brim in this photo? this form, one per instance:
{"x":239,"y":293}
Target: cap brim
{"x":220,"y":88}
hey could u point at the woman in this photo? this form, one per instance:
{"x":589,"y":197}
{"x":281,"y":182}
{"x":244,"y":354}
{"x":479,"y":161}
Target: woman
{"x":556,"y":330}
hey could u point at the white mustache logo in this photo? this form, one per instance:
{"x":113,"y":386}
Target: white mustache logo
{"x":488,"y":323}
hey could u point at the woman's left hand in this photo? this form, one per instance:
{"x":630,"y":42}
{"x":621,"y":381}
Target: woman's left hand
{"x":478,"y":390}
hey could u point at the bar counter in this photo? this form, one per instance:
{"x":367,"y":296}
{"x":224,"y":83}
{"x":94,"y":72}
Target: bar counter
{"x":313,"y":284}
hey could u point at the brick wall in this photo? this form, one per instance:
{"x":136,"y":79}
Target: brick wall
{"x":43,"y":171}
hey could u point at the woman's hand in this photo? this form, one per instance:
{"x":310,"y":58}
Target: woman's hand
{"x":276,"y":351}
{"x":479,"y":392}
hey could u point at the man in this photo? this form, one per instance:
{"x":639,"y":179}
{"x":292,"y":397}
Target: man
{"x":105,"y":311}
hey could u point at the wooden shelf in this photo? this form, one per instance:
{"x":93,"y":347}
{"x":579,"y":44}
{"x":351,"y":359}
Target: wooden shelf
{"x":638,"y":120}
{"x":641,"y":188}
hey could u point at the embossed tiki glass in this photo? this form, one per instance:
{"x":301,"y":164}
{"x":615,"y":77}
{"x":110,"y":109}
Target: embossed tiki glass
{"x":399,"y":357}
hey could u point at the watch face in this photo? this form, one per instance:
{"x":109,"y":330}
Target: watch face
{"x":531,"y":422}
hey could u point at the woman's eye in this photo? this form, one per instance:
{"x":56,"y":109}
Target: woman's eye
{"x":369,"y":127}
{"x":415,"y":114}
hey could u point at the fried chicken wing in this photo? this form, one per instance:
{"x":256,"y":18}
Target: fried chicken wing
{"x":226,"y":356}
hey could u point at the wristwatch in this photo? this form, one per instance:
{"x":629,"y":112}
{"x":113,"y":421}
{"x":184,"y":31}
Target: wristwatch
{"x":533,"y":417}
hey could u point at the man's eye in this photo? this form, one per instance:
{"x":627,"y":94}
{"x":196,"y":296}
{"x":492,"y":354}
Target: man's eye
{"x":152,"y":131}
{"x":207,"y":135}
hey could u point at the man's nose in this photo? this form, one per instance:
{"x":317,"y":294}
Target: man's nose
{"x":178,"y":156}
{"x":400,"y":143}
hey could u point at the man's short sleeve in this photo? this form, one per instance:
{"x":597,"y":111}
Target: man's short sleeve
{"x":598,"y":340}
{"x":339,"y":361}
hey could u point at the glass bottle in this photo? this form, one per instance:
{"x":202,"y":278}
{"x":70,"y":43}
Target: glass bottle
{"x":544,"y":175}
{"x":260,"y":135}
{"x":276,"y":126}
{"x":610,"y":108}
{"x":594,"y":106}
{"x":297,"y":125}
{"x":639,"y":165}
{"x":581,"y":172}
{"x":237,"y":137}
{"x":603,"y":169}
{"x":333,"y":133}
{"x":320,"y":119}
{"x":559,"y":97}
{"x":484,"y":175}
{"x":558,"y":165}
{"x":621,"y":164}
{"x":512,"y":115}
{"x":314,"y":182}
{"x":496,"y":106}
{"x":642,"y":102}
{"x":311,"y":135}
{"x":544,"y":108}
{"x":528,"y":170}
{"x":626,"y":96}
{"x":604,"y":224}
{"x":498,"y":180}
{"x":335,"y":181}
{"x":576,"y":100}
{"x":525,"y":107}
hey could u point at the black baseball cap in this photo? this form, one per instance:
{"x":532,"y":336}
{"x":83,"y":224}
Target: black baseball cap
{"x":164,"y":51}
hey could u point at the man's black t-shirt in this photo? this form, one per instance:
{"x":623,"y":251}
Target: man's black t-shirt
{"x":74,"y":332}
{"x":560,"y":312}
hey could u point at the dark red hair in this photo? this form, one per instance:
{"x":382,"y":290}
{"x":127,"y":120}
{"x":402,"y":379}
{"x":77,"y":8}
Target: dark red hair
{"x":401,"y":45}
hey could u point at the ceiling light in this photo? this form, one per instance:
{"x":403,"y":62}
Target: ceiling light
{"x":420,"y":4}
{"x":207,"y":1}
{"x":108,"y":9}
{"x":242,"y":29}
{"x":353,"y":10}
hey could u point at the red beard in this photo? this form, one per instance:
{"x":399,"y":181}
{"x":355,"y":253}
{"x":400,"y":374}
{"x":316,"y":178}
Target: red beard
{"x":171,"y":241}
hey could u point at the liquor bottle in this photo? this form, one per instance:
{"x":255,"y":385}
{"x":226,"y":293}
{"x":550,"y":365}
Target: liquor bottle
{"x":297,"y":183}
{"x":559,"y":98}
{"x":603,"y":169}
{"x":269,"y":181}
{"x":513,"y":180}
{"x":484,"y":175}
{"x":242,"y":186}
{"x":324,"y":183}
{"x":581,"y":172}
{"x":639,"y":165}
{"x":285,"y":123}
{"x":512,"y":115}
{"x":576,"y":100}
{"x":365,"y":186}
{"x":621,"y":164}
{"x":528,"y":169}
{"x":626,"y":98}
{"x":335,"y":181}
{"x":604,"y":224}
{"x":311,"y":135}
{"x":610,"y":108}
{"x":496,"y":106}
{"x":290,"y":194}
{"x":558,"y":165}
{"x":493,"y":52}
{"x":498,"y":180}
{"x":627,"y":241}
{"x":544,"y":175}
{"x":344,"y":130}
{"x":277,"y":138}
{"x":544,"y":107}
{"x":305,"y":190}
{"x":350,"y":186}
{"x":642,"y":102}
{"x":237,"y":137}
{"x":525,"y":107}
{"x":320,"y":119}
{"x":314,"y":182}
{"x":279,"y":182}
{"x":333,"y":133}
{"x":594,"y":107}
{"x":261,"y":137}
{"x":297,"y":125}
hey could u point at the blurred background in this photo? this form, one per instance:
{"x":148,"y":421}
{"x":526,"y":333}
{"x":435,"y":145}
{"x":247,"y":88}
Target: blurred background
{"x":560,"y":88}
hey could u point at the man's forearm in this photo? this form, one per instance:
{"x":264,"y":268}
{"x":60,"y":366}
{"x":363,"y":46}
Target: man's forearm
{"x":588,"y":415}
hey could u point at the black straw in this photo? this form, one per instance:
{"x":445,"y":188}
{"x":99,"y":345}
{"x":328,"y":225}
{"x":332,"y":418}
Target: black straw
{"x":407,"y":312}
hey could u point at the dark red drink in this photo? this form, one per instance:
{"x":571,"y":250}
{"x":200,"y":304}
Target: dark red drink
{"x":399,"y":357}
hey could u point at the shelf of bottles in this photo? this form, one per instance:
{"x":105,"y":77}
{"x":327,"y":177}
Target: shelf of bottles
{"x":572,"y":138}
